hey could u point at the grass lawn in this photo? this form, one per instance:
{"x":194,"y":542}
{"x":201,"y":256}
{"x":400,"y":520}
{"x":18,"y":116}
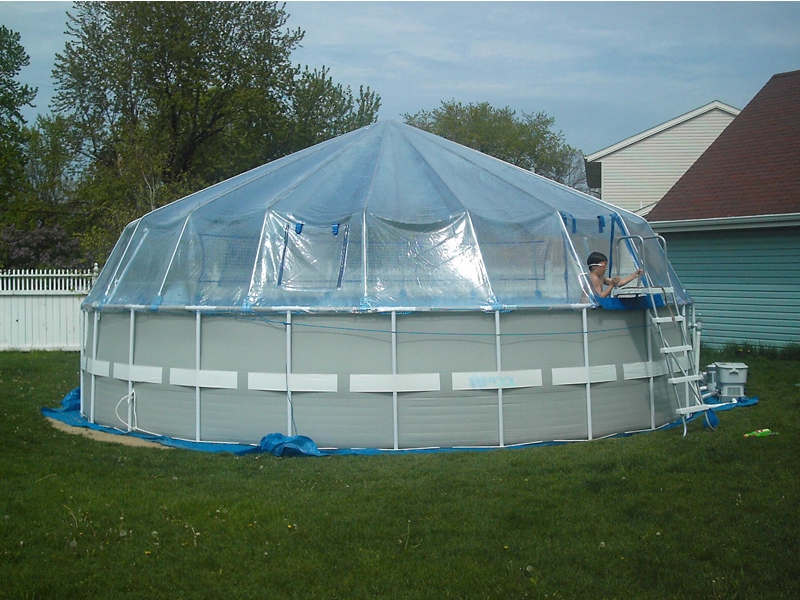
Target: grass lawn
{"x":657,"y":515}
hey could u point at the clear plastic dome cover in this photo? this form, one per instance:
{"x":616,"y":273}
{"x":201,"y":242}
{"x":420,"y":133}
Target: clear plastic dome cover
{"x":387,"y":217}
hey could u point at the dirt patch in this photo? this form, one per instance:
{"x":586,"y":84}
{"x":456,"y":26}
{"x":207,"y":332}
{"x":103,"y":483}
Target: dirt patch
{"x":102,"y":436}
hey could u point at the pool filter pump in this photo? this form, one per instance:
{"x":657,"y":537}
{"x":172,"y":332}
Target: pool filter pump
{"x":726,"y":380}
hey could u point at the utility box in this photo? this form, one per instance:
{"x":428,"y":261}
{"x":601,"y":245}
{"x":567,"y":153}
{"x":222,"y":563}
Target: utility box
{"x":730,"y":378}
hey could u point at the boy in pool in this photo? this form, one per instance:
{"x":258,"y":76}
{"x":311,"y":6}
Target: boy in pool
{"x":598,"y":263}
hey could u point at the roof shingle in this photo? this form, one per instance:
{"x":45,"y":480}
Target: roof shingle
{"x":752,"y":168}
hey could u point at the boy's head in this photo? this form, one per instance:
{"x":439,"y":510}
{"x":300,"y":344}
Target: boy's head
{"x":596,"y":259}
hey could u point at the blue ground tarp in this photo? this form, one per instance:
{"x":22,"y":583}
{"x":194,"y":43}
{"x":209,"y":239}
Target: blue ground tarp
{"x":299,"y":445}
{"x":70,"y":414}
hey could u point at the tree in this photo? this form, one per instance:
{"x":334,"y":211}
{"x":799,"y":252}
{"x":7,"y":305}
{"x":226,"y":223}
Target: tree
{"x":527,"y":141}
{"x":317,"y":109}
{"x":173,"y":76}
{"x":39,"y":248}
{"x":165,"y":98}
{"x":44,"y":220}
{"x":13,"y":96}
{"x":51,"y":169}
{"x":322,"y":109}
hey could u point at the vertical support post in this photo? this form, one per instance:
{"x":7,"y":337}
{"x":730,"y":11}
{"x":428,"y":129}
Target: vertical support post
{"x":695,"y":329}
{"x":687,"y":369}
{"x":651,"y":379}
{"x":499,"y":365}
{"x":585,"y":319}
{"x":289,"y":409}
{"x":197,"y":340}
{"x":94,"y":358}
{"x":364,"y":252}
{"x":395,"y":411}
{"x":84,"y":329}
{"x":130,"y":366}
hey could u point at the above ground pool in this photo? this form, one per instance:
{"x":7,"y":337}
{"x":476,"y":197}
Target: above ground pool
{"x":384,"y":289}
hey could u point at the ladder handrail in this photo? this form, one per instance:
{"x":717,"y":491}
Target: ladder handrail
{"x":640,"y":254}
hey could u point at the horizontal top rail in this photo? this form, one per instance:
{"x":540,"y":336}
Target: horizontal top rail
{"x":43,"y":281}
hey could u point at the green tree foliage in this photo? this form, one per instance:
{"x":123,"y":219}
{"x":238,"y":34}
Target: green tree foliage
{"x":164,"y":98}
{"x":51,"y":173}
{"x":26,"y":241}
{"x":322,"y":109}
{"x":43,"y":247}
{"x":41,"y":222}
{"x":13,"y":96}
{"x":171,"y":76}
{"x":527,"y":141}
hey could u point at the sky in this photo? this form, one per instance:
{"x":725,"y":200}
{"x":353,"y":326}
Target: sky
{"x":603,"y":71}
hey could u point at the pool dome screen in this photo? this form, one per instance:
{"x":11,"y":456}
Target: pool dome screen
{"x":387,"y":288}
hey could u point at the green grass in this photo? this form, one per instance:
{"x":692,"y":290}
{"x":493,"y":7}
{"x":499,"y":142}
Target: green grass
{"x":712,"y":515}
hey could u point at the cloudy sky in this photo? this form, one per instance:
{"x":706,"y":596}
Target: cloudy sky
{"x":604,"y":71}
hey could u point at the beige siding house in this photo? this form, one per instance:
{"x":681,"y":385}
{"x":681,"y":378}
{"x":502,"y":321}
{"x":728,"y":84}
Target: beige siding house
{"x":635,"y":173}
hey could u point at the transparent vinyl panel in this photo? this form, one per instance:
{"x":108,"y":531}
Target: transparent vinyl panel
{"x":382,"y":218}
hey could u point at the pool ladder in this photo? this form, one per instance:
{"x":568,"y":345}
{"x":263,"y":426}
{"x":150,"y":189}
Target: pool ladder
{"x":680,"y":355}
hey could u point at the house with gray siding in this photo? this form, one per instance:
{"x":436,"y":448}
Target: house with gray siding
{"x":732,"y":223}
{"x":635,"y":173}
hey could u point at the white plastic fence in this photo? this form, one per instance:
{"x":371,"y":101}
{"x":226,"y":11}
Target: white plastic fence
{"x":41,"y":310}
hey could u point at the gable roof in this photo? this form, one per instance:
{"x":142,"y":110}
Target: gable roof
{"x":752,"y":168}
{"x":715,"y":105}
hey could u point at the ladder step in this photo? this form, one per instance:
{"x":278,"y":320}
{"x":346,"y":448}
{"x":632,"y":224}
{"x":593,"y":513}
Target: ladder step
{"x":685,"y":378}
{"x":688,"y":410}
{"x":675,"y":349}
{"x":642,"y":291}
{"x":675,"y":319}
